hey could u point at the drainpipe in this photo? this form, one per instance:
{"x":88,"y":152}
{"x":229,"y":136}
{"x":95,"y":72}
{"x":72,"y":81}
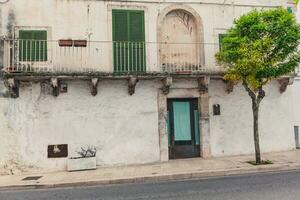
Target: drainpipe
{"x":297,"y":137}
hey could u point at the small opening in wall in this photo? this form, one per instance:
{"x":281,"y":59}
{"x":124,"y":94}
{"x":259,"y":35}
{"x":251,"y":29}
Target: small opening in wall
{"x":216,"y":109}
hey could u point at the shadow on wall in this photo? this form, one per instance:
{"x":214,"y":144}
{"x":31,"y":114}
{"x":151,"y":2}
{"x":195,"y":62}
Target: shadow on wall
{"x":1,"y":54}
{"x":1,"y":43}
{"x":9,"y":33}
{"x":3,"y":90}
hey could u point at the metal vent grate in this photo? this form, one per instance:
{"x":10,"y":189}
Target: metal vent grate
{"x":31,"y":178}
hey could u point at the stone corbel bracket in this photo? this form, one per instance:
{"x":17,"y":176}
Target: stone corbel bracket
{"x":167,"y":82}
{"x":132,"y":81}
{"x":55,"y":86}
{"x":94,"y":86}
{"x":284,"y":82}
{"x":203,"y":83}
{"x":13,"y":87}
{"x":229,"y":86}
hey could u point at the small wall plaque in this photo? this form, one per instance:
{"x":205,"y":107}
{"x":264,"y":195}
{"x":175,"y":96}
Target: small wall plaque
{"x":63,"y":87}
{"x":58,"y":151}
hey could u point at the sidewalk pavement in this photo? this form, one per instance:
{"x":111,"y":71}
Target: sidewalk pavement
{"x":195,"y":168}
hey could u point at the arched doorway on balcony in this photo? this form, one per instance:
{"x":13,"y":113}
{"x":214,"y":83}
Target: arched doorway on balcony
{"x":180,"y":38}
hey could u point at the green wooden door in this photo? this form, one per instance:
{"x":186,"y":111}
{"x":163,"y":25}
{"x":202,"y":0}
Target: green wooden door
{"x":183,"y":128}
{"x":129,"y":41}
{"x":32,"y":45}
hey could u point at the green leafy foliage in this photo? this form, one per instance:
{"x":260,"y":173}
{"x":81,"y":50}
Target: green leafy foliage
{"x":262,"y":45}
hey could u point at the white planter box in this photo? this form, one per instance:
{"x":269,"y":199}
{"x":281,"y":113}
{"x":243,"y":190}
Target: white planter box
{"x":77,"y":164}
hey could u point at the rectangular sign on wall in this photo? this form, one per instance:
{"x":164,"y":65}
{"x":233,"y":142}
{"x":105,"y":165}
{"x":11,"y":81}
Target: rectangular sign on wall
{"x":58,"y":151}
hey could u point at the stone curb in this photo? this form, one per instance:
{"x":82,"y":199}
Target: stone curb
{"x":197,"y":175}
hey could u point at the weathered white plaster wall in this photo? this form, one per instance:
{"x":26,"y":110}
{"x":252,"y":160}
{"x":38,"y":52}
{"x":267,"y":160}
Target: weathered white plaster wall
{"x":232,"y":131}
{"x":5,"y":130}
{"x":123,"y":127}
{"x":296,"y":102}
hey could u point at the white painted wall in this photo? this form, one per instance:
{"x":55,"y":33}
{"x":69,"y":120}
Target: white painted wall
{"x":232,"y":131}
{"x":296,"y":102}
{"x":123,"y":129}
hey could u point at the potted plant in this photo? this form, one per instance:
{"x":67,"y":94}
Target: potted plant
{"x":85,"y":161}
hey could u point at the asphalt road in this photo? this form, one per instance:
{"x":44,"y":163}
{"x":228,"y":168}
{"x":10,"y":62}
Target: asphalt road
{"x":272,"y":186}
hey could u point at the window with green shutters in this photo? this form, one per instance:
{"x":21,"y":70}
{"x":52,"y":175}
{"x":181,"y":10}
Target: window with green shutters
{"x":290,"y":9}
{"x":221,"y":38}
{"x":32,"y":45}
{"x":129,"y":41}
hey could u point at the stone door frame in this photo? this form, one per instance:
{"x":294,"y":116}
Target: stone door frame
{"x":203,"y":106}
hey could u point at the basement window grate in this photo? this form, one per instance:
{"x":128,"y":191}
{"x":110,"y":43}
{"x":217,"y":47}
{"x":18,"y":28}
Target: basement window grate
{"x":31,"y":178}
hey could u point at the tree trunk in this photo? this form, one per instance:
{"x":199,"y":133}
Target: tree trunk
{"x":256,"y":99}
{"x":255,"y":109}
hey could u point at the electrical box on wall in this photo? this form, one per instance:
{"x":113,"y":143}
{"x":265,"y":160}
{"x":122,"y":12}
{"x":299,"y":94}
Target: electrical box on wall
{"x":217,"y":109}
{"x":63,"y":87}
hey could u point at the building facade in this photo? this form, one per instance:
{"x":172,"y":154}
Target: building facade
{"x":137,"y":80}
{"x":296,"y":95}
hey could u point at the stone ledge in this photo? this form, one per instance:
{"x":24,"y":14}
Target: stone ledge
{"x":103,"y":75}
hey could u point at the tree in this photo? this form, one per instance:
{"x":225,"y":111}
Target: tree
{"x":261,"y":46}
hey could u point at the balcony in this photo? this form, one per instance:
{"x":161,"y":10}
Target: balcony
{"x":110,"y":58}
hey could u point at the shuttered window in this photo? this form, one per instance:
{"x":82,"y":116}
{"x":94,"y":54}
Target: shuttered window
{"x":290,"y":9}
{"x":32,"y":45}
{"x":221,"y":38}
{"x":129,"y":41}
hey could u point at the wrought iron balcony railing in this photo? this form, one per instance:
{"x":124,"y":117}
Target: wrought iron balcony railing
{"x":108,"y":57}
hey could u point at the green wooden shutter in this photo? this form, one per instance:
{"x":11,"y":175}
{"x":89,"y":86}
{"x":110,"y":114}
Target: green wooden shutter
{"x":221,"y":38}
{"x":136,"y":26}
{"x":40,"y":45}
{"x":120,"y":26}
{"x":120,"y":37}
{"x":32,"y":45}
{"x":25,"y":45}
{"x":137,"y":39}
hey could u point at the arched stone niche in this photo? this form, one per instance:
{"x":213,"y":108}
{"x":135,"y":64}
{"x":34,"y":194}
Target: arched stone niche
{"x":180,"y":38}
